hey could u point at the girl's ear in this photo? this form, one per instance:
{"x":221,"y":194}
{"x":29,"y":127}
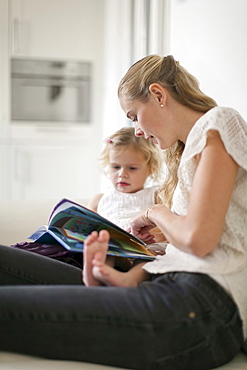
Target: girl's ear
{"x":158,"y":92}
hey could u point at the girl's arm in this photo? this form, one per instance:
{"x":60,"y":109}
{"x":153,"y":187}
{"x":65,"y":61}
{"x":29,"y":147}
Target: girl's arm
{"x":199,"y":231}
{"x":93,"y":203}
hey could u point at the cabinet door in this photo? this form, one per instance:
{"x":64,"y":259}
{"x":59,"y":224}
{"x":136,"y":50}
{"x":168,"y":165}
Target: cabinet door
{"x":56,"y":29}
{"x":52,"y":172}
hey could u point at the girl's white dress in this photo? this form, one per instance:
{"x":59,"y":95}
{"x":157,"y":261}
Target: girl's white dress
{"x":120,"y":208}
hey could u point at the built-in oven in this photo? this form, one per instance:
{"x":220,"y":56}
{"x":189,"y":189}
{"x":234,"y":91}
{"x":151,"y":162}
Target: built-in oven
{"x":50,"y":90}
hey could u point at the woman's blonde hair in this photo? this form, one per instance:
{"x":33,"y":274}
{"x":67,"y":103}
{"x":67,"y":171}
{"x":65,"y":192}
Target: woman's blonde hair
{"x":182,"y":86}
{"x":125,"y":137}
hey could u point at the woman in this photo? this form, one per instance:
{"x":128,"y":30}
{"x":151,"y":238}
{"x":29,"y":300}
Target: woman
{"x":186,"y":309}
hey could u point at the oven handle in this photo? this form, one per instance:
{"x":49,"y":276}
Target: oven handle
{"x":50,"y":82}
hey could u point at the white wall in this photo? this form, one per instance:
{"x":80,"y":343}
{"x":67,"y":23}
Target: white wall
{"x":208,"y":37}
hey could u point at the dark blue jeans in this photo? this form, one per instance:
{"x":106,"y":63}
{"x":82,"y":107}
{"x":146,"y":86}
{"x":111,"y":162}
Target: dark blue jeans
{"x":174,"y":321}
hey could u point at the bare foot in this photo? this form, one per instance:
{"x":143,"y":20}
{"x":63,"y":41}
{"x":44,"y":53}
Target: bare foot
{"x":109,"y":276}
{"x":98,"y":272}
{"x":95,"y":246}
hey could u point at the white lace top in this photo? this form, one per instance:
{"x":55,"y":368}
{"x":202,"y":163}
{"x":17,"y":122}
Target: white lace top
{"x":120,"y":208}
{"x":227,"y":264}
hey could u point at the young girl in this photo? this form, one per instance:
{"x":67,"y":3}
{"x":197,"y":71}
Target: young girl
{"x":128,"y":161}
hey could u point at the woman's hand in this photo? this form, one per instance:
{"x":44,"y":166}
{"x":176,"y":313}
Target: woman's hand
{"x":140,"y":226}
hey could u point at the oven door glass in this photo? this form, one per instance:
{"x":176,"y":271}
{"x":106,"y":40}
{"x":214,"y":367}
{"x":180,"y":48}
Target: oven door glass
{"x":50,"y":99}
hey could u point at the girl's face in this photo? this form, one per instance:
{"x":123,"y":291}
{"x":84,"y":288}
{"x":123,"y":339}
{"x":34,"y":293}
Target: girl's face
{"x":128,"y":169}
{"x":151,"y":121}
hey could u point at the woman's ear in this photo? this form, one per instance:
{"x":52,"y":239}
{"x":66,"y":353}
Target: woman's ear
{"x":158,"y":92}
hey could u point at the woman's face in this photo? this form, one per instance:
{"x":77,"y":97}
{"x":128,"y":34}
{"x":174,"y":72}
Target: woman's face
{"x":151,"y":121}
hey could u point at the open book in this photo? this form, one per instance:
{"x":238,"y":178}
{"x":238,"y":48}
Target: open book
{"x":70,"y":224}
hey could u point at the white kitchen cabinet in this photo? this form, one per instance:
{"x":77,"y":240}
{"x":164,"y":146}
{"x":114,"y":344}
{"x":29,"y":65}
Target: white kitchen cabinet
{"x":45,"y":160}
{"x":57,"y":28}
{"x":53,"y":169}
{"x":51,"y":172}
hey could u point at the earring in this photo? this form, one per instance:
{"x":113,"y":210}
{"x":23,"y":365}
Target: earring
{"x":161,"y":105}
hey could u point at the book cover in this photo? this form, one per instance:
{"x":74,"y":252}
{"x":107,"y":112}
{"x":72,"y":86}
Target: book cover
{"x":70,"y":223}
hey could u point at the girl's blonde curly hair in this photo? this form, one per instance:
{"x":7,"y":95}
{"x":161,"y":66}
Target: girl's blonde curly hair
{"x":125,"y":137}
{"x":182,"y":86}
